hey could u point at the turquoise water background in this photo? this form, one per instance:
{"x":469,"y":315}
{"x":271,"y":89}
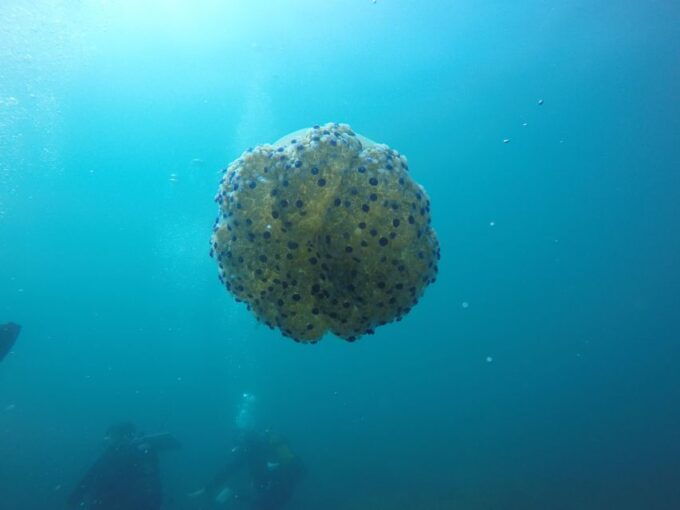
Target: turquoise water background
{"x":538,"y":372}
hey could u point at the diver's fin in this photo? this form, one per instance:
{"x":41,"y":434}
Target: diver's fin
{"x":8,"y":335}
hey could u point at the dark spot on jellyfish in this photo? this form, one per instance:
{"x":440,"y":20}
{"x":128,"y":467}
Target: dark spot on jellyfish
{"x":285,"y":183}
{"x":240,"y":260}
{"x":351,"y":338}
{"x":345,"y":304}
{"x":298,"y":163}
{"x":351,"y":288}
{"x":328,"y":239}
{"x":364,"y":244}
{"x":275,"y":214}
{"x":334,"y":143}
{"x":236,"y":186}
{"x":321,"y":182}
{"x":313,"y":260}
{"x":361,"y":169}
{"x":365,"y":208}
{"x":249,"y":221}
{"x":373,"y":197}
{"x":348,"y":203}
{"x":399,"y":286}
{"x":354,"y":191}
{"x":348,"y":249}
{"x":381,"y":285}
{"x":393,"y":235}
{"x":362,"y":225}
{"x":299,"y":203}
{"x":293,"y":141}
{"x":292,"y":245}
{"x":310,"y":326}
{"x":411,"y":219}
{"x":401,"y":268}
{"x":337,"y":202}
{"x":314,"y":170}
{"x":383,"y":241}
{"x":373,"y":181}
{"x":252,"y":184}
{"x":289,"y":256}
{"x":315,"y":288}
{"x":267,"y":234}
{"x":283,"y":203}
{"x":374,"y":232}
{"x":274,"y":192}
{"x":280,"y":302}
{"x":389,"y":167}
{"x":263,"y":258}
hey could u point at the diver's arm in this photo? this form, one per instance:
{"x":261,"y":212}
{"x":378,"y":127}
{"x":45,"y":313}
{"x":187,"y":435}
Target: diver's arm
{"x":81,"y":490}
{"x":90,"y":480}
{"x":223,"y":476}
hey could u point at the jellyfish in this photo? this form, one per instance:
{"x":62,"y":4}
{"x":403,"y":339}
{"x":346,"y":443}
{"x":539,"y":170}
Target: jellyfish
{"x":324,"y":231}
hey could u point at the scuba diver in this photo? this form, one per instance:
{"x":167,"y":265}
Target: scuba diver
{"x":8,"y":335}
{"x":126,"y":476}
{"x":261,"y":472}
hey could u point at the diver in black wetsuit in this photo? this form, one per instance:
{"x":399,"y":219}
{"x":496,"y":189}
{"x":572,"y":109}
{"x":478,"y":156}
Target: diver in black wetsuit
{"x":8,"y":335}
{"x":126,"y":476}
{"x":261,"y":472}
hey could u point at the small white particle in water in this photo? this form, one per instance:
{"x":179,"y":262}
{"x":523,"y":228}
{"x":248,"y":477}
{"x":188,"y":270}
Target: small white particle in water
{"x":10,"y":407}
{"x":465,"y":304}
{"x":492,"y":223}
{"x":506,"y":140}
{"x":525,"y":124}
{"x":179,"y":379}
{"x":173,"y":177}
{"x":489,"y":359}
{"x":57,"y":487}
{"x":540,"y":102}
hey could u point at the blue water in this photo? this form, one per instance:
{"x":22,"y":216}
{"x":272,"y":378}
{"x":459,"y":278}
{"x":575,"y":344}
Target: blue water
{"x":538,"y":372}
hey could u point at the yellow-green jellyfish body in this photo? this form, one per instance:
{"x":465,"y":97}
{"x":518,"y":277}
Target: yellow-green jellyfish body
{"x":324,"y":231}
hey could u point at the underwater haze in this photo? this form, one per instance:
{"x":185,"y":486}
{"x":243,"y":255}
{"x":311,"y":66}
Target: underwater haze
{"x":540,"y":370}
